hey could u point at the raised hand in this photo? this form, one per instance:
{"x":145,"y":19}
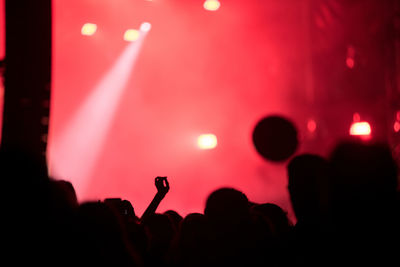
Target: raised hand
{"x":162,"y":185}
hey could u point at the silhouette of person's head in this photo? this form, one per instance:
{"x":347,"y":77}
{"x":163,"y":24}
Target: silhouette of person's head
{"x":307,"y":185}
{"x":123,"y":208}
{"x":103,"y":238}
{"x":160,"y":232}
{"x":193,"y":240}
{"x":227,"y":207}
{"x":64,"y":194}
{"x":235,"y":240}
{"x":192,"y":227}
{"x":175,"y":217}
{"x":363,"y":177}
{"x":275,"y":217}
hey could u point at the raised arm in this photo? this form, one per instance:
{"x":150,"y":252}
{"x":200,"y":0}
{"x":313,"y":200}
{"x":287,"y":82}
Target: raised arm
{"x":162,"y":186}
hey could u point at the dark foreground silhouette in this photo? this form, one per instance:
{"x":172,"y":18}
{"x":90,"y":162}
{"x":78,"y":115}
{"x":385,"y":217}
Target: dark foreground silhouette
{"x":346,"y":205}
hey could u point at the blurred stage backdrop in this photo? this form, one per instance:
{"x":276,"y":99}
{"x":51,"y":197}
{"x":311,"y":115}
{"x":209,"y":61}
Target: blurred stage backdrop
{"x":175,"y":88}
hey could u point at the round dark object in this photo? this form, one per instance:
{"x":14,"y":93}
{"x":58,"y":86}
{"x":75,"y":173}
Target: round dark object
{"x":275,"y":138}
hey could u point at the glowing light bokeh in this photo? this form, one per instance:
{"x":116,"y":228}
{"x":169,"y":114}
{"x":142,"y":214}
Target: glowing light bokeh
{"x":311,"y":125}
{"x":145,"y":26}
{"x":360,"y":129}
{"x":207,"y":141}
{"x":131,"y":35}
{"x":89,"y":29}
{"x":396,"y":127}
{"x":350,"y":62}
{"x":211,"y":5}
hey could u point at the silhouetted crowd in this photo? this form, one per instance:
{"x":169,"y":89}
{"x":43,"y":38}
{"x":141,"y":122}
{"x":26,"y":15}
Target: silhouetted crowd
{"x":346,"y":206}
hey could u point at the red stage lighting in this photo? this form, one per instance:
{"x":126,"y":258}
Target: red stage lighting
{"x":350,"y":62}
{"x":131,"y":35}
{"x":145,"y":27}
{"x":396,"y":126}
{"x":362,"y":129}
{"x":92,"y":122}
{"x":311,"y":125}
{"x":207,"y":141}
{"x":211,"y":5}
{"x":89,"y":29}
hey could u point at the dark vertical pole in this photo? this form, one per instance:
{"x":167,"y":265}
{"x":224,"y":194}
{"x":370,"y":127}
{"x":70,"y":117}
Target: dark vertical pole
{"x":27,"y":75}
{"x":393,"y":84}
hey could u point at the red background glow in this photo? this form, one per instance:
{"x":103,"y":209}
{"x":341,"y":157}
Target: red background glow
{"x":197,"y":72}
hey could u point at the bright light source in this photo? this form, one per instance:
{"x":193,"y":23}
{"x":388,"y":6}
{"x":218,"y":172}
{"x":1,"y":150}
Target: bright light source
{"x":145,"y":27}
{"x":211,"y":5}
{"x":311,"y":125}
{"x":89,"y":29}
{"x":131,"y":35}
{"x":396,"y":127}
{"x":90,"y":124}
{"x":207,"y":141}
{"x":350,"y":62}
{"x":360,"y":129}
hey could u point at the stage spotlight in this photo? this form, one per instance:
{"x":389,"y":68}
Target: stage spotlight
{"x":311,"y":125}
{"x":88,"y":29}
{"x":207,"y":141}
{"x":131,"y":35}
{"x":362,"y":129}
{"x":396,"y":127}
{"x":91,"y":123}
{"x":211,"y":5}
{"x":350,"y":62}
{"x":145,"y":27}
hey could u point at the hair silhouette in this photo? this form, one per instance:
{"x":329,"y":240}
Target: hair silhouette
{"x":308,"y":185}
